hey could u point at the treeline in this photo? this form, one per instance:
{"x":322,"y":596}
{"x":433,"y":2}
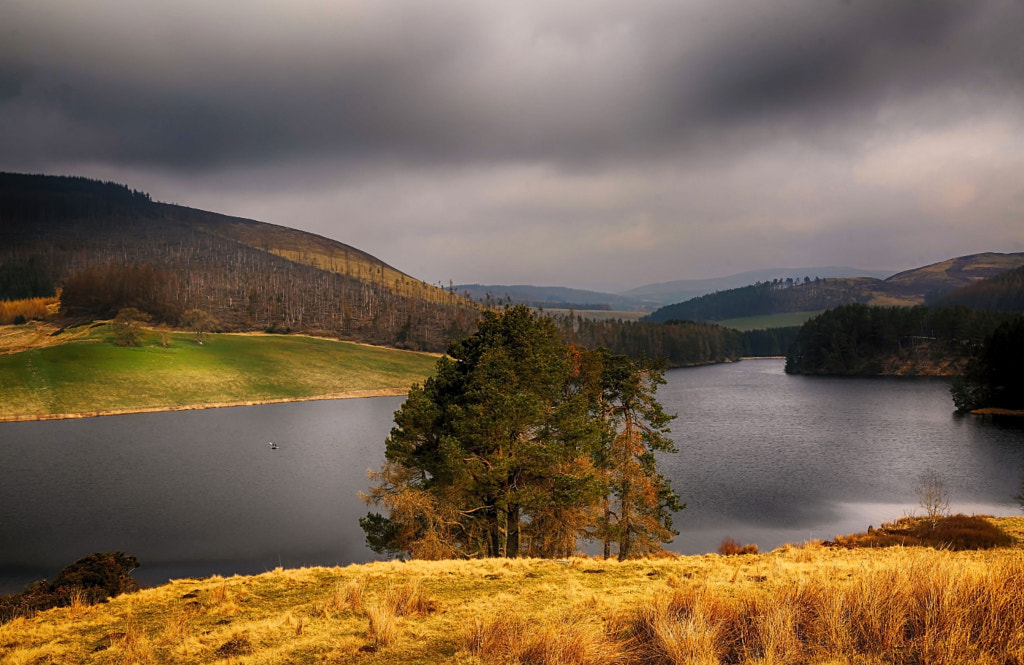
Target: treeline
{"x":110,"y":247}
{"x":25,"y":279}
{"x":860,"y":340}
{"x":681,"y":343}
{"x":1004,"y":291}
{"x":773,"y":297}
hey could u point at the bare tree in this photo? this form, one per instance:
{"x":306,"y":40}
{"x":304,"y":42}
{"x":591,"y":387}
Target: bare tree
{"x":932,"y":495}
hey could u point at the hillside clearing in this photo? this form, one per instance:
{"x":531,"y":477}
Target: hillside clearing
{"x":766,"y":321}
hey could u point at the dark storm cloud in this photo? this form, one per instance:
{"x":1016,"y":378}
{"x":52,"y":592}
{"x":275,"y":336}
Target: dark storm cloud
{"x":581,"y":142}
{"x":464,"y":81}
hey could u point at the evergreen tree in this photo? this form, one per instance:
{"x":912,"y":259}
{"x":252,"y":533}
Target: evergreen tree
{"x":498,"y":453}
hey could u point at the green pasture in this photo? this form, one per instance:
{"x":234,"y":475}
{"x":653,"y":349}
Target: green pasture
{"x":92,"y":374}
{"x":764,"y":321}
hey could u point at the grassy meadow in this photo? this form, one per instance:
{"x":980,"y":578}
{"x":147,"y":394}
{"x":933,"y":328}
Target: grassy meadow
{"x":764,"y":321}
{"x":81,"y":371}
{"x":797,"y":604}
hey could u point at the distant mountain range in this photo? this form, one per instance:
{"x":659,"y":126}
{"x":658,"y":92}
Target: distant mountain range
{"x":549,"y":297}
{"x":649,"y":296}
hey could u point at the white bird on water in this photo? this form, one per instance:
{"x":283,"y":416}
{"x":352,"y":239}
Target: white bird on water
{"x":273,"y":446}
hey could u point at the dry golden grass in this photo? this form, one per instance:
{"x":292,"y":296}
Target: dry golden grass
{"x":797,"y":604}
{"x":31,"y":309}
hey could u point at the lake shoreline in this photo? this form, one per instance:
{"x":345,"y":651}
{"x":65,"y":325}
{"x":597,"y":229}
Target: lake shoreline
{"x":351,"y":394}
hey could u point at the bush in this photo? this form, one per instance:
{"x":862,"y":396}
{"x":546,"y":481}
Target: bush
{"x":730,"y":547}
{"x":952,"y":532}
{"x":89,"y":580}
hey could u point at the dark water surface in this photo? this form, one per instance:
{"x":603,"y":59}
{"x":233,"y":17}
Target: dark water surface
{"x":764,"y":458}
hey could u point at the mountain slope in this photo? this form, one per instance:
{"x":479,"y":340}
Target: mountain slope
{"x":1004,"y":291}
{"x":111,"y":247}
{"x":910,"y":287}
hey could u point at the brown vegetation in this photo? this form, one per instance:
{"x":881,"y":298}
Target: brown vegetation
{"x":951,"y":532}
{"x":797,"y":604}
{"x":28,"y":309}
{"x":729,"y":547}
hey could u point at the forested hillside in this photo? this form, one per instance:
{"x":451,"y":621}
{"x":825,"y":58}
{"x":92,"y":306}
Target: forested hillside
{"x":911,"y":287}
{"x":1004,"y":292}
{"x":111,"y":247}
{"x":861,"y":340}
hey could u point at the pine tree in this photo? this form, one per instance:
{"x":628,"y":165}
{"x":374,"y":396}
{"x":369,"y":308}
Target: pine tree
{"x":500,"y":452}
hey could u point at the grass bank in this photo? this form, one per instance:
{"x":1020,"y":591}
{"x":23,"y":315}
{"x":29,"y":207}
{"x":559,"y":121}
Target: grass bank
{"x":87,"y":374}
{"x":806,"y":604}
{"x":764,"y":321}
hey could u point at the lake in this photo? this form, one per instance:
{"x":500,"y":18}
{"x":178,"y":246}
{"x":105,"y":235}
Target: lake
{"x":764,"y":458}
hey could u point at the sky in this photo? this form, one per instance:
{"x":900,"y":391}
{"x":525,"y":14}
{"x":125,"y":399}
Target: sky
{"x":593,"y":144}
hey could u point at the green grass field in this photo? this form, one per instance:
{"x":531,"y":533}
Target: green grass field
{"x":90,"y":374}
{"x":769,"y":321}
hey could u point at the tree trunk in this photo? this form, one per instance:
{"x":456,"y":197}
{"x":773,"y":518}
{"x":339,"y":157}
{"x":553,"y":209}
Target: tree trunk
{"x":608,"y":524}
{"x":493,"y":533}
{"x":512,"y":543}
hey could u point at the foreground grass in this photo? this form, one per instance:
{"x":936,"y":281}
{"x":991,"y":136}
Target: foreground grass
{"x":808,"y":604}
{"x":89,"y":374}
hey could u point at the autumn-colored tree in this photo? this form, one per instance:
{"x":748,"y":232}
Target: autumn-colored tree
{"x":639,"y":501}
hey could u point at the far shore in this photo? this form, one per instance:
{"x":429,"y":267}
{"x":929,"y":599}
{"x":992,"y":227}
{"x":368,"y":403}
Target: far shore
{"x":352,"y":394}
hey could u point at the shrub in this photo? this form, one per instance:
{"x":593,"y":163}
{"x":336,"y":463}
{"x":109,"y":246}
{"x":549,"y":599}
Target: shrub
{"x":730,"y":547}
{"x":88,"y":581}
{"x":952,"y":532}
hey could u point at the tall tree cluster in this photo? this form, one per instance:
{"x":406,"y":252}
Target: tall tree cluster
{"x":994,"y":377}
{"x":858,"y":339}
{"x":521,"y":445}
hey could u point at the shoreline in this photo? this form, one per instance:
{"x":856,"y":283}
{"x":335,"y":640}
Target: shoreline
{"x":350,"y":394}
{"x":992,"y":411}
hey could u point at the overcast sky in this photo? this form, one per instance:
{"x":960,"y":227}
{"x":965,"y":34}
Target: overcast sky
{"x":585,"y":143}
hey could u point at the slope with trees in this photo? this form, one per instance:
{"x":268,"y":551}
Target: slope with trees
{"x":521,"y":444}
{"x":110,"y":247}
{"x":908,"y":288}
{"x":1004,"y":291}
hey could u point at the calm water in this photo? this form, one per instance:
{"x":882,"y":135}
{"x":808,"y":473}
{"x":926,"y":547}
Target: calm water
{"x":764,"y":458}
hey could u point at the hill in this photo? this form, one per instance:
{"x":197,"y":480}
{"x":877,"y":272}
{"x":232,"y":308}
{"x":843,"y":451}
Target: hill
{"x":666,"y":293}
{"x":806,"y":604}
{"x":81,"y":372}
{"x":911,"y":287}
{"x":1004,"y":292}
{"x":109,"y":247}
